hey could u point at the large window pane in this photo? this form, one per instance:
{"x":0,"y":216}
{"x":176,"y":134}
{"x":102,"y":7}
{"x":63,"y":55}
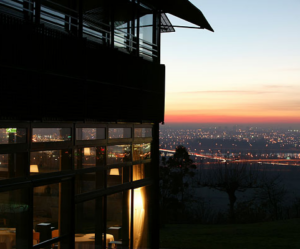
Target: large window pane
{"x":51,"y":135}
{"x":141,"y":171}
{"x":90,"y":133}
{"x":12,"y":135}
{"x":13,"y":219}
{"x":46,"y":210}
{"x":146,"y":32}
{"x":118,"y":154}
{"x":141,"y":151}
{"x":89,"y":232}
{"x":118,"y":219}
{"x":88,"y":157}
{"x":50,"y":205}
{"x":140,"y":219}
{"x":50,"y":161}
{"x":114,"y":176}
{"x":89,"y":182}
{"x":13,"y":165}
{"x":142,"y":132}
{"x":119,"y":133}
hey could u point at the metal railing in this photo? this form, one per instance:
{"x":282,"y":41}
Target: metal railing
{"x":68,"y":20}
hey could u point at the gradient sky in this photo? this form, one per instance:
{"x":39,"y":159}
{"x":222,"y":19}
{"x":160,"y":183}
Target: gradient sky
{"x":247,"y":71}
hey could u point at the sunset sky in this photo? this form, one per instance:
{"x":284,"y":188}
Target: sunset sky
{"x":247,"y":71}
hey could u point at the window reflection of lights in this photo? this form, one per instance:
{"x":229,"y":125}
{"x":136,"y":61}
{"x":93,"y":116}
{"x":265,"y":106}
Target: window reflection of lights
{"x":34,"y":168}
{"x":87,"y":151}
{"x":114,"y":172}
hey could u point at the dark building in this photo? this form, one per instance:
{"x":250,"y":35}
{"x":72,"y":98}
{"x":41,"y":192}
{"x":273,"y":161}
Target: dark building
{"x":81,"y":99}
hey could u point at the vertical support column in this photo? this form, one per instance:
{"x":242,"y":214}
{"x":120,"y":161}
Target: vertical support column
{"x":155,"y":190}
{"x":158,"y":33}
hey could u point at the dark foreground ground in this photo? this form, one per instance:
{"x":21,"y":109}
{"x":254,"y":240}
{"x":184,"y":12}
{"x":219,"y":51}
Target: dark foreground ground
{"x":279,"y":234}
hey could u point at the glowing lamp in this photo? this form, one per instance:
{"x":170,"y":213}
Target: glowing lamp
{"x":87,"y":151}
{"x":114,"y":172}
{"x":34,"y":168}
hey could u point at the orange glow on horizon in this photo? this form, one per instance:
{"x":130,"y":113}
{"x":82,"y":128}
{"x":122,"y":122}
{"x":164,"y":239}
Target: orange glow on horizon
{"x":228,"y":119}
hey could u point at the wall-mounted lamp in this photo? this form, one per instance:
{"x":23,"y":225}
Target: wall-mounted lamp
{"x":34,"y":168}
{"x":114,"y":172}
{"x":87,"y":151}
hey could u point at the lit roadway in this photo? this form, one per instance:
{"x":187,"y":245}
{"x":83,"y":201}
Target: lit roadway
{"x":221,"y":158}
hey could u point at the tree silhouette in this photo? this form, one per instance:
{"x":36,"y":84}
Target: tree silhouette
{"x":231,"y":178}
{"x":175,"y":174}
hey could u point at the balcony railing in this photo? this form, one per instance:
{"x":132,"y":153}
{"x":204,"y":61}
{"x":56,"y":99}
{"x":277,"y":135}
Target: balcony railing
{"x":70,"y":21}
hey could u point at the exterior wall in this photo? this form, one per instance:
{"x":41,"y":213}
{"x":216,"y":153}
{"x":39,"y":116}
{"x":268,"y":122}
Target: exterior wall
{"x":47,"y":75}
{"x":62,"y":184}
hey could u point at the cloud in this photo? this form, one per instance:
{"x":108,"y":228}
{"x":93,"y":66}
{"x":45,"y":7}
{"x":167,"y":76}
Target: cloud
{"x":278,"y":86}
{"x":222,"y":91}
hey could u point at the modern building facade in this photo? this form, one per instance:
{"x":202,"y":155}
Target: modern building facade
{"x":81,"y":99}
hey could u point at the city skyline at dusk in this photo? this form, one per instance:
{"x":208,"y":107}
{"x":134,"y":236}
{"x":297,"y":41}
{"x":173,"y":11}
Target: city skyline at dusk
{"x":247,"y":71}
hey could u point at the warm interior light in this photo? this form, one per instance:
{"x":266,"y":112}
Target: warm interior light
{"x":34,"y":168}
{"x":138,"y":199}
{"x":87,"y":151}
{"x":114,"y":172}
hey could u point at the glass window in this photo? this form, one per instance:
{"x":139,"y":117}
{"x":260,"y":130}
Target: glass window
{"x":13,"y":165}
{"x":142,"y":132}
{"x":119,"y":133}
{"x":118,"y":154}
{"x":12,"y":135}
{"x":89,"y":182}
{"x":85,"y":224}
{"x":141,"y":171}
{"x":140,"y":219}
{"x":50,"y":161}
{"x":118,"y":219}
{"x":114,"y":176}
{"x":146,"y":32}
{"x":90,"y":133}
{"x":50,"y":216}
{"x":46,"y":210}
{"x":87,"y":233}
{"x":13,"y":218}
{"x":141,"y":151}
{"x":88,"y":157}
{"x":51,"y":135}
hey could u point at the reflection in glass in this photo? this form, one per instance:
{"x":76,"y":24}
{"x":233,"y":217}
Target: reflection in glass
{"x":88,"y":157}
{"x":118,"y":154}
{"x":50,"y":161}
{"x":12,"y":135}
{"x":114,"y":176}
{"x":13,"y":165}
{"x":90,"y":133}
{"x":119,"y":133}
{"x":51,"y":135}
{"x":142,"y":132}
{"x":118,"y":217}
{"x":140,"y":220}
{"x":46,"y":210}
{"x":141,"y":151}
{"x":146,"y":31}
{"x":89,"y":182}
{"x":13,"y":218}
{"x":141,"y":171}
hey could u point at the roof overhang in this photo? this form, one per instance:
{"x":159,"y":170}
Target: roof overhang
{"x":185,"y":10}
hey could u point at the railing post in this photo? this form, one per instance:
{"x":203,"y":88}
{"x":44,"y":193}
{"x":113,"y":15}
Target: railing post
{"x":37,"y":11}
{"x":80,"y":19}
